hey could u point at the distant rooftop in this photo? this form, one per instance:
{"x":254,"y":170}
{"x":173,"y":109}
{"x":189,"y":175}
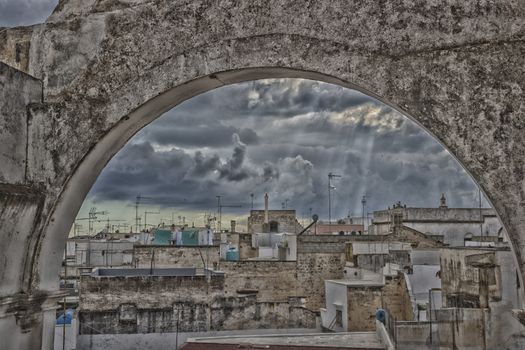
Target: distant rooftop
{"x":436,"y":214}
{"x":315,"y":341}
{"x":358,"y":282}
{"x":173,"y":272}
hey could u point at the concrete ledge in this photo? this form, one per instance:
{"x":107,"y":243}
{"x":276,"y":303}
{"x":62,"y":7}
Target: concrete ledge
{"x":383,"y":336}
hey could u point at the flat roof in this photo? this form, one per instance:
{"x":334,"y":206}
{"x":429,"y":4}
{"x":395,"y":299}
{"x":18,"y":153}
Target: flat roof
{"x":358,"y":282}
{"x":331,"y":341}
{"x":136,"y":272}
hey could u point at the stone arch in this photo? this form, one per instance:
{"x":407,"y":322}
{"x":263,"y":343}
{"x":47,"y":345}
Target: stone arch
{"x":101,"y":70}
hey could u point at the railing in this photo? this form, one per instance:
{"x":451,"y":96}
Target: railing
{"x":332,"y":324}
{"x":390,"y":325}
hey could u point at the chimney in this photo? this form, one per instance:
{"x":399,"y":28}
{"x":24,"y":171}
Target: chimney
{"x":266,"y":208}
{"x":233,"y":224}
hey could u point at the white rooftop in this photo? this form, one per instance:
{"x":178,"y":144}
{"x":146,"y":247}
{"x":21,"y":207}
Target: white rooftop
{"x":361,"y":340}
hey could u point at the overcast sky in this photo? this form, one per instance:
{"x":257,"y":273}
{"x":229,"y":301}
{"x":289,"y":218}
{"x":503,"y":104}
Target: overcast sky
{"x":282,"y":137}
{"x":277,"y":136}
{"x":25,"y":12}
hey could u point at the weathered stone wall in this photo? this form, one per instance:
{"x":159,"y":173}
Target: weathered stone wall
{"x":484,"y":279}
{"x":396,"y":298}
{"x":17,"y":92}
{"x":176,"y":256}
{"x":286,"y":219}
{"x":189,"y":311}
{"x":107,"y":293}
{"x":313,"y":269}
{"x":363,"y":302}
{"x":362,"y":305}
{"x":273,"y":281}
{"x":319,"y":258}
{"x":463,"y":328}
{"x":246,"y":251}
{"x":15,"y":45}
{"x":257,"y":294}
{"x":188,"y":317}
{"x":233,"y":313}
{"x":372,"y":262}
{"x":470,"y":277}
{"x":21,"y":210}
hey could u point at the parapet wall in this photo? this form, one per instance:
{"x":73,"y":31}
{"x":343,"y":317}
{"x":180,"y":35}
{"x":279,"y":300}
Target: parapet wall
{"x":175,"y":256}
{"x":222,"y":313}
{"x":107,"y":293}
{"x":271,"y":280}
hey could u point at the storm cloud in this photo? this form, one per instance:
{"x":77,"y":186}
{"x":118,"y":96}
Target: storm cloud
{"x":15,"y":13}
{"x":283,"y":137}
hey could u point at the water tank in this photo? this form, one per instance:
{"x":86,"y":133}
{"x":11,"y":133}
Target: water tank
{"x":232,"y":254}
{"x":381,"y":315}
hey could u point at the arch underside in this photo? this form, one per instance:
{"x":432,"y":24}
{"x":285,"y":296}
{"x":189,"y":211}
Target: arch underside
{"x":109,"y":69}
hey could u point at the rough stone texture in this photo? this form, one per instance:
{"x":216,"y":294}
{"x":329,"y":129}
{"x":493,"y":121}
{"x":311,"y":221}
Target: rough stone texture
{"x":246,"y":250}
{"x":396,"y":298}
{"x":152,"y":304}
{"x":362,"y":304}
{"x":271,"y":280}
{"x":176,"y":256}
{"x":470,"y":278}
{"x":319,"y":258}
{"x":15,"y":45}
{"x":464,"y":328}
{"x":19,"y":208}
{"x":108,"y":68}
{"x":17,"y":91}
{"x":285,"y":220}
{"x":108,"y":293}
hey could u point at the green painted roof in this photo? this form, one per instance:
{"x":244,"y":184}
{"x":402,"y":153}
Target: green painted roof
{"x":162,"y":237}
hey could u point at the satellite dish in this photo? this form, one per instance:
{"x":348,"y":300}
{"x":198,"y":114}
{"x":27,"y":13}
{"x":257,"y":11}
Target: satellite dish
{"x":315,"y":217}
{"x":381,"y":315}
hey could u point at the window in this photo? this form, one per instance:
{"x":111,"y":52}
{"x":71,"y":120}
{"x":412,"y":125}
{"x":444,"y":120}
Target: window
{"x":339,"y":318}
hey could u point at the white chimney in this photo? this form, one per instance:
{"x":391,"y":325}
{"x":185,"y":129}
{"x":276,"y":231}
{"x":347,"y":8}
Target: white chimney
{"x":266,"y":208}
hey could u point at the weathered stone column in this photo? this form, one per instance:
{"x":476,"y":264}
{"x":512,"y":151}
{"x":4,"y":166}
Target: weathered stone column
{"x":23,"y":310}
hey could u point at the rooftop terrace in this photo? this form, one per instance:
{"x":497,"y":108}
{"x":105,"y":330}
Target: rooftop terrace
{"x":170,"y":272}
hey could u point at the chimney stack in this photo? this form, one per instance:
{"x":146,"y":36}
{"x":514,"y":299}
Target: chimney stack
{"x":266,"y":208}
{"x":233,"y":224}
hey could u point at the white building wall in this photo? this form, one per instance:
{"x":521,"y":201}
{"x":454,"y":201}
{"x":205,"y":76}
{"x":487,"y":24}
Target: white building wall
{"x":104,"y":253}
{"x":336,"y":297}
{"x":454,"y":233}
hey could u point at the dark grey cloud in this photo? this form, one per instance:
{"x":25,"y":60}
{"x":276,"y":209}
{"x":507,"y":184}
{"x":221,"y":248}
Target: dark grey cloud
{"x":233,"y":169}
{"x":14,"y":13}
{"x":196,"y":123}
{"x":283,"y":137}
{"x":212,"y":133}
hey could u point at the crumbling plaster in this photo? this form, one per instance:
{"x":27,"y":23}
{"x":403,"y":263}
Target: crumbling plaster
{"x":109,"y":68}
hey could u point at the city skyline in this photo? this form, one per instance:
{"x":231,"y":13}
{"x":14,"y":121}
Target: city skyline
{"x":281,"y":137}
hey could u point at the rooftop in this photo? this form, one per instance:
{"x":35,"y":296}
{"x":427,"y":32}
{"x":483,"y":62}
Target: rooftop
{"x":436,"y":214}
{"x":358,"y":282}
{"x":172,"y":272}
{"x":318,"y":341}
